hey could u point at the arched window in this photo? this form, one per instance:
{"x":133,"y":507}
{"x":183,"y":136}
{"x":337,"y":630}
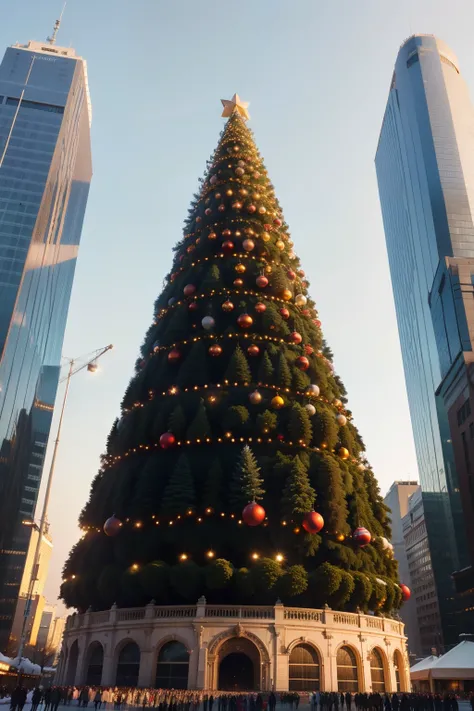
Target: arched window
{"x":72,"y":664}
{"x":172,"y":666}
{"x":398,"y":664}
{"x":94,"y":667}
{"x":347,"y":674}
{"x":304,"y":668}
{"x":377,"y":671}
{"x":128,"y":665}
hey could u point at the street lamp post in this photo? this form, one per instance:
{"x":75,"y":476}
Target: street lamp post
{"x":91,"y":366}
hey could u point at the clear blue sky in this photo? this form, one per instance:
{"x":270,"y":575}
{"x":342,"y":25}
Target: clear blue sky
{"x":317,"y":75}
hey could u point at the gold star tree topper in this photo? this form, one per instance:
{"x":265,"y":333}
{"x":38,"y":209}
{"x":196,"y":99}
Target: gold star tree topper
{"x":235,"y":104}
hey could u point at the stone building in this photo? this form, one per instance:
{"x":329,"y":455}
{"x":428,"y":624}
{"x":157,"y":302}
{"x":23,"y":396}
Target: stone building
{"x":230,"y":647}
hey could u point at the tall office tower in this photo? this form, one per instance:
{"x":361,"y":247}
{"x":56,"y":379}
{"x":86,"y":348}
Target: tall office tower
{"x":45,"y":174}
{"x":38,"y":601}
{"x":420,"y":566}
{"x":397,"y":499}
{"x":425,"y":172}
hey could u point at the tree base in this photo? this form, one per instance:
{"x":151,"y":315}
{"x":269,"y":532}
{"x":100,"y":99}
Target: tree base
{"x":236,"y":648}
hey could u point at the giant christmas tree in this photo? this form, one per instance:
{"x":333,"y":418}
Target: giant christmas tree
{"x":235,"y":470}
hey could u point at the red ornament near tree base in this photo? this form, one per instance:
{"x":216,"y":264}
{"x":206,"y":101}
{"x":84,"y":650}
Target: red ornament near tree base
{"x":406,"y":592}
{"x":174,"y":355}
{"x":167,"y":440}
{"x":361,"y":537}
{"x":253,"y":514}
{"x":313,"y":522}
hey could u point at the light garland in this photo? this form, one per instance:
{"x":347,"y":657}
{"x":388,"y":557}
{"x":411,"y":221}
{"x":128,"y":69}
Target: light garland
{"x":213,"y":336}
{"x":111,"y":460}
{"x":226,"y":384}
{"x":261,"y":295}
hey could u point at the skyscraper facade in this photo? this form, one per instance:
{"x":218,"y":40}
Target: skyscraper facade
{"x":45,"y":174}
{"x":425,"y":172}
{"x":397,"y":500}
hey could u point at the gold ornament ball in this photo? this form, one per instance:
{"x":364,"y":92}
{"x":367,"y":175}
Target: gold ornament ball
{"x":337,"y":403}
{"x":243,"y":192}
{"x":218,"y":196}
{"x":286,"y":295}
{"x":227,"y":306}
{"x":240,"y":268}
{"x":266,"y":237}
{"x":268,"y":270}
{"x":255,"y":397}
{"x":256,"y":196}
{"x":343,"y":453}
{"x":237,"y":205}
{"x":238,"y":282}
{"x":340,"y":537}
{"x":262,"y":209}
{"x":229,"y":193}
{"x":280,"y":244}
{"x":277,"y":402}
{"x":248,"y":245}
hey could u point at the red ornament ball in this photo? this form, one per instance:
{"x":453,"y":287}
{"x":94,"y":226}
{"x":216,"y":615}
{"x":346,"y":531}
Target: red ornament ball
{"x":238,"y":282}
{"x":302,"y":363}
{"x":277,"y":222}
{"x":406,"y":592}
{"x":221,"y":207}
{"x":309,"y":350}
{"x":280,"y":438}
{"x":261,"y":281}
{"x":167,"y":440}
{"x":228,"y":246}
{"x":193,"y":306}
{"x":361,"y":537}
{"x":253,"y":514}
{"x":253,"y":350}
{"x":284,"y":313}
{"x":226,"y":233}
{"x":260,"y":307}
{"x":291,"y":274}
{"x":227,"y":306}
{"x":245,"y":321}
{"x":255,"y":397}
{"x":248,"y":245}
{"x":317,"y":322}
{"x":208,"y":211}
{"x":174,"y":355}
{"x":189,"y":289}
{"x":251,"y":209}
{"x":313,"y":522}
{"x":215,"y":350}
{"x":212,"y":235}
{"x":296,"y":337}
{"x":112,"y":526}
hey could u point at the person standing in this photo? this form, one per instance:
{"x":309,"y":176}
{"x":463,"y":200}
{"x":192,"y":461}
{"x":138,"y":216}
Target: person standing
{"x":35,"y":698}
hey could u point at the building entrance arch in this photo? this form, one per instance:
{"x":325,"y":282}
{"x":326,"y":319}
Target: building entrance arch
{"x":239,"y":662}
{"x":72,"y":660}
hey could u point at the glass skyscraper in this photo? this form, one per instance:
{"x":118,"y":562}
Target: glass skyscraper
{"x":425,"y":172}
{"x":45,"y":174}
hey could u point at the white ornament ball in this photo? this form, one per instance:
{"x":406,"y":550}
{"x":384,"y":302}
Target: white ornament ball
{"x":241,"y":164}
{"x":313,"y":390}
{"x":341,"y":420}
{"x":213,"y":180}
{"x":361,"y":467}
{"x":300,"y":300}
{"x":310,"y":409}
{"x":208,"y":323}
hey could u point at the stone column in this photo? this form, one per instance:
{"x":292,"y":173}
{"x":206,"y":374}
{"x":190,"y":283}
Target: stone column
{"x":365,"y":678}
{"x":279,"y":670}
{"x":145,"y":673}
{"x":197,"y":660}
{"x":80,"y":677}
{"x":391,"y":680}
{"x":108,"y":667}
{"x":329,"y":671}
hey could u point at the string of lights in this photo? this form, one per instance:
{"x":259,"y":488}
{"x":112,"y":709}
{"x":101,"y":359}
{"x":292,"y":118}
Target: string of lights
{"x":261,"y":295}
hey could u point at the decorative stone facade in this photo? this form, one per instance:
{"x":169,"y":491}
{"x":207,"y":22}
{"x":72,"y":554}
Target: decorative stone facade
{"x":186,"y":647}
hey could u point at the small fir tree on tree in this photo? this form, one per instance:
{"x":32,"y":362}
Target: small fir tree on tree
{"x":179,"y":492}
{"x":246,"y":484}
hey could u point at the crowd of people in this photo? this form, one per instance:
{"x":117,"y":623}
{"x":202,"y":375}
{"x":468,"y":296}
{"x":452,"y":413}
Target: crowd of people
{"x":119,"y":699}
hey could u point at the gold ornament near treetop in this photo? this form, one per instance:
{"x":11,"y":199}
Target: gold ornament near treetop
{"x":235,"y":105}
